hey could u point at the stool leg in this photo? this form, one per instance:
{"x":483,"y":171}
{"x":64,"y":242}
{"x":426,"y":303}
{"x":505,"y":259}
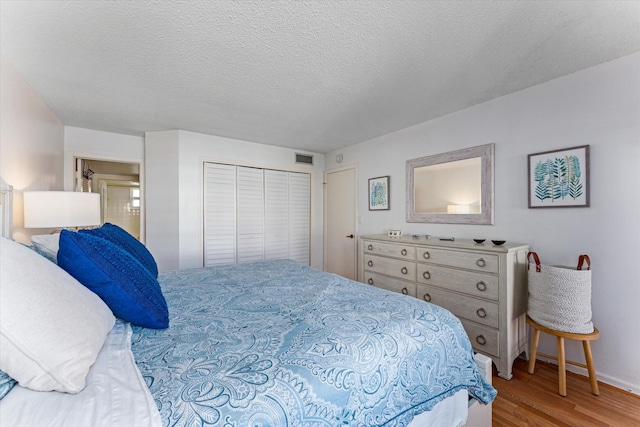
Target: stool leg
{"x":592,"y":371}
{"x":534,"y":350}
{"x":562,"y":373}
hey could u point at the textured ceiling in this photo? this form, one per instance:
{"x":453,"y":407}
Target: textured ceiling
{"x":314,"y":75}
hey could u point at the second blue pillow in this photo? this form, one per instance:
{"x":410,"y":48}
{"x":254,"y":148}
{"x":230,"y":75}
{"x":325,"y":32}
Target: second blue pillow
{"x":126,"y":241}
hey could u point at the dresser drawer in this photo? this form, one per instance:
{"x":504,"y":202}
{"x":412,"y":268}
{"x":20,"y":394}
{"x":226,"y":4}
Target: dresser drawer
{"x":390,"y":284}
{"x":459,"y":259}
{"x":389,"y":249}
{"x":391,"y":267}
{"x":477,"y":310}
{"x":482,"y":338}
{"x":482,"y":285}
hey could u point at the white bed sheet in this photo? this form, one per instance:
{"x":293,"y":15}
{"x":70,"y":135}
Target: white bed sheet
{"x":450,"y":412}
{"x":115,"y":396}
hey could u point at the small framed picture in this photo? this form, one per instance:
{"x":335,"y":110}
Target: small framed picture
{"x":379,"y":193}
{"x":559,"y":178}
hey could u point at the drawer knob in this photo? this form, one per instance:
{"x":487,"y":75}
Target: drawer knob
{"x":370,"y":263}
{"x":370,"y":247}
{"x":426,"y":255}
{"x":481,"y":312}
{"x":405,"y":291}
{"x":426,"y":275}
{"x":480,"y":339}
{"x":481,"y":286}
{"x":403,"y":252}
{"x":404,"y":270}
{"x":370,"y":281}
{"x":481,"y":262}
{"x":426,"y":297}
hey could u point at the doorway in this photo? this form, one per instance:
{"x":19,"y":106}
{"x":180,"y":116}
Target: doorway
{"x":118,"y":184}
{"x":340,"y":240}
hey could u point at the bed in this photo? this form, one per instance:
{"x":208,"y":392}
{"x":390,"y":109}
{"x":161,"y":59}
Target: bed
{"x":275,"y":343}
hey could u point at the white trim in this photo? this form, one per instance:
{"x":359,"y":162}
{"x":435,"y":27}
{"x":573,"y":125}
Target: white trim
{"x":605,"y":379}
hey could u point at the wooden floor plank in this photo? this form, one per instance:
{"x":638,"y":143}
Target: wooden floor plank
{"x":533,"y":400}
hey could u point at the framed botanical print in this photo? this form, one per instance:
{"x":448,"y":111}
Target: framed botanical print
{"x":559,"y":178}
{"x":379,"y":193}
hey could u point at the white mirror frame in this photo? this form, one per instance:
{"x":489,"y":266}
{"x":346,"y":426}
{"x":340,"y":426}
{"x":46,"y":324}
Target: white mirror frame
{"x":485,"y":152}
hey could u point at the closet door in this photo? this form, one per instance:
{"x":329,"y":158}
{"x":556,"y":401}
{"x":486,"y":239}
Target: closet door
{"x":299,"y":216}
{"x":219,"y":214}
{"x":250,"y":222}
{"x":276,"y":214}
{"x":254,"y":214}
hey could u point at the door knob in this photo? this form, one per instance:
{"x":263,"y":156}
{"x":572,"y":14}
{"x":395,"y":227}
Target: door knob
{"x":350,"y":236}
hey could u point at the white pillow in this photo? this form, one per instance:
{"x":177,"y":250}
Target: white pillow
{"x":51,"y":326}
{"x":47,"y":245}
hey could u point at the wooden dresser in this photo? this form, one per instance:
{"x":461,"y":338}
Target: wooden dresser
{"x":482,"y":284}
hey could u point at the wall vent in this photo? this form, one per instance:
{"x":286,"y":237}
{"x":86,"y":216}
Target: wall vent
{"x":304,"y":159}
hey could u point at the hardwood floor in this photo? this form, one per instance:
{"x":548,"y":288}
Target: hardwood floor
{"x":533,"y":400}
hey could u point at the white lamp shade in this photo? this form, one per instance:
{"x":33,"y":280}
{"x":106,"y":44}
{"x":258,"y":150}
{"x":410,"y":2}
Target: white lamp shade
{"x":60,"y":209}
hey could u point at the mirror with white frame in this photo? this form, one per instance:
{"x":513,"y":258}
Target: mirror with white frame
{"x":452,"y":188}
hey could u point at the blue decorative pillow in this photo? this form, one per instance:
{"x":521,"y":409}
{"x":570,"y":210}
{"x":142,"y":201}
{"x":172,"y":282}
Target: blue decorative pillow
{"x":122,"y":282}
{"x":126,"y":241}
{"x":6,"y":384}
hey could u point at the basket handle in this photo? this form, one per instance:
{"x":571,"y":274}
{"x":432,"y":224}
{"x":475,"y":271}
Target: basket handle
{"x":582,"y":259}
{"x":536,"y":259}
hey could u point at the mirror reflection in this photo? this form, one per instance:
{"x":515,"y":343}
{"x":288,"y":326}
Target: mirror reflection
{"x":449,"y":188}
{"x":453,"y":187}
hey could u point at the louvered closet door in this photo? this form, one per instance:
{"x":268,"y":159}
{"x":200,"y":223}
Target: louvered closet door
{"x":219,"y":214}
{"x":250,"y":224}
{"x":254,"y":214}
{"x":299,"y":216}
{"x":276,"y":214}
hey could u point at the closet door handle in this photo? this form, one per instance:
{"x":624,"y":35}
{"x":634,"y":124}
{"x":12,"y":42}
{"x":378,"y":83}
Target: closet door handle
{"x":350,"y":236}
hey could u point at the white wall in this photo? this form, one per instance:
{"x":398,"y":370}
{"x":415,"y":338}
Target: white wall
{"x":192,"y":150}
{"x":99,"y":145}
{"x":31,"y":144}
{"x":600,"y":107}
{"x":162,"y":198}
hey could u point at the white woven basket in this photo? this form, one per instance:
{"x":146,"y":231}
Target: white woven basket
{"x":560,"y":297}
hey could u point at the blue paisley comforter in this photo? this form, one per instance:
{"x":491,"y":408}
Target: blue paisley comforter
{"x":278,"y":343}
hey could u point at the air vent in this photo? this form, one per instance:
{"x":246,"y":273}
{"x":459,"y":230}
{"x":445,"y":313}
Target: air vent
{"x":304,"y":159}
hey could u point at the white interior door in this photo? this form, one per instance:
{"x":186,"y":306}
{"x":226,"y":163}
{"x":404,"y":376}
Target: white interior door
{"x":340,"y":222}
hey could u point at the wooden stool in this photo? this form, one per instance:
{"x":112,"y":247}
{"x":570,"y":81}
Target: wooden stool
{"x":585,"y":338}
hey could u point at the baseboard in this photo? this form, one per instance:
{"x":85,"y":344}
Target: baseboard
{"x":605,"y":379}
